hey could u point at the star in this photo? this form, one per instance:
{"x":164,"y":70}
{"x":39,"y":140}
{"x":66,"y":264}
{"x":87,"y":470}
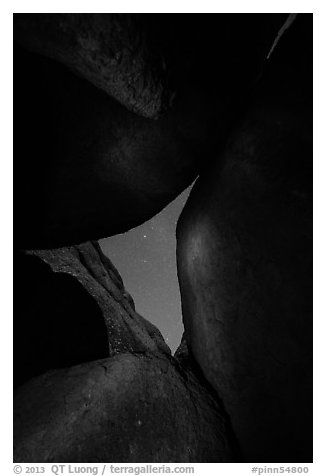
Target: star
{"x":146,"y":260}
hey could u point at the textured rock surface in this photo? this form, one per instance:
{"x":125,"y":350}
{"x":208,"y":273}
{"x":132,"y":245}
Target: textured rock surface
{"x":88,"y":168}
{"x":128,"y":408}
{"x":138,"y":404}
{"x":133,"y":57}
{"x":95,"y":381}
{"x":94,"y":169}
{"x":245,"y":262}
{"x":74,"y":309}
{"x":109,"y":50}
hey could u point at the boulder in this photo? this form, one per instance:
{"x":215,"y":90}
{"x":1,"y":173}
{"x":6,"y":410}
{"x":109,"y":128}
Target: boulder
{"x":244,"y":252}
{"x":86,"y":167}
{"x":111,"y":51}
{"x":143,"y":60}
{"x":73,"y":308}
{"x":130,"y":408}
{"x":94,"y":381}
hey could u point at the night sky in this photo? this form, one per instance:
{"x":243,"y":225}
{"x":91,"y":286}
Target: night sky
{"x":146,"y":259}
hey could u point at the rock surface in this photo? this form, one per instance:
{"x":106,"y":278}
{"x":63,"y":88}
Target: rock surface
{"x":86,"y":167}
{"x":137,"y":404}
{"x":245,"y":262}
{"x":94,"y":169}
{"x":75,"y":309}
{"x":128,"y":408}
{"x":109,"y":50}
{"x":94,"y":380}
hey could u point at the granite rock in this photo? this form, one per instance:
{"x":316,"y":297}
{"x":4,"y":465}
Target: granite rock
{"x":244,"y":251}
{"x":129,"y":408}
{"x":109,"y":50}
{"x":74,"y":308}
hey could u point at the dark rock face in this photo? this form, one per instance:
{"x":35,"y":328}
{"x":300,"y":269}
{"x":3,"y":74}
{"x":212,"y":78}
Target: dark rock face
{"x":75,"y":309}
{"x":94,"y":380}
{"x":109,"y":50}
{"x":86,"y":167}
{"x":128,"y":408}
{"x":245,"y":262}
{"x":136,"y":58}
{"x":94,"y":169}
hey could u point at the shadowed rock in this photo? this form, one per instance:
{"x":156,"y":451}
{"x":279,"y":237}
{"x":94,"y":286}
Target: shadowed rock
{"x":74,"y":309}
{"x":110,"y":50}
{"x":128,"y":408}
{"x":245,"y":262}
{"x":86,"y":167}
{"x":94,"y":380}
{"x":139,"y":404}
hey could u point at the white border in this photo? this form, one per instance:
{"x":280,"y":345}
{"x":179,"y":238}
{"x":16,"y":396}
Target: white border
{"x":7,"y":8}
